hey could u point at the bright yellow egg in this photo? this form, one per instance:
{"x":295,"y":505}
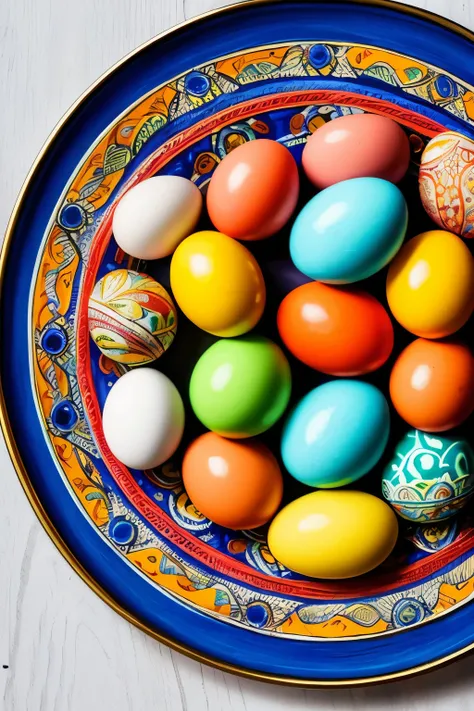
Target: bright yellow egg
{"x":333,"y":534}
{"x":430,"y":284}
{"x":218,"y":284}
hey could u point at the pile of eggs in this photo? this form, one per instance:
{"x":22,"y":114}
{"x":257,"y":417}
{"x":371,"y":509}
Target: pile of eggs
{"x":241,"y":386}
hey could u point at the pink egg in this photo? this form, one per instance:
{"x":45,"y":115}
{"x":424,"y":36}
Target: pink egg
{"x":356,"y":146}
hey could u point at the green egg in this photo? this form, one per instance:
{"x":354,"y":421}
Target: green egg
{"x":240,"y":387}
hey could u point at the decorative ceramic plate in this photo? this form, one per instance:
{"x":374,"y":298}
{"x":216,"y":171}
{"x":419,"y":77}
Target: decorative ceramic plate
{"x":177,"y":106}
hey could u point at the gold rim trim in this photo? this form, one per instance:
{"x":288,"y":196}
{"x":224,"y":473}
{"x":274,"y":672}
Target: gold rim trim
{"x":5,"y":422}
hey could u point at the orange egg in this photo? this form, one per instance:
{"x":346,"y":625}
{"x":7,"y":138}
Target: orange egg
{"x":254,"y":190}
{"x":235,"y":484}
{"x":337,"y":331}
{"x":432,"y":384}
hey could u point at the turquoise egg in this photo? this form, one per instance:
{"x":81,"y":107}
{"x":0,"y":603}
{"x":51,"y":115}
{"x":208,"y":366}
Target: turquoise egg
{"x":336,"y":433}
{"x":349,"y":231}
{"x":429,"y":477}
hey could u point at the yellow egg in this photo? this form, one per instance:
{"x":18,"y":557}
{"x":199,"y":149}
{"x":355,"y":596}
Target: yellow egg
{"x":333,"y":534}
{"x":430,"y":284}
{"x":218,"y":284}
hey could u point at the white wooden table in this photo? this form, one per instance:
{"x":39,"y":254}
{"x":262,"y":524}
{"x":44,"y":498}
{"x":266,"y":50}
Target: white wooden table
{"x":61,"y":648}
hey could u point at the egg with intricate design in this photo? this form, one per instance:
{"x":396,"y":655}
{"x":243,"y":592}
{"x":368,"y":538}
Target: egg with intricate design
{"x":132,"y":319}
{"x":429,"y":477}
{"x":447,"y":182}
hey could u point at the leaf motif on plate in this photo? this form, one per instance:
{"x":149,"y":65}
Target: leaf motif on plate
{"x":116,"y":158}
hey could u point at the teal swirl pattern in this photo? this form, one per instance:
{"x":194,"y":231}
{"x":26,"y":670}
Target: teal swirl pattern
{"x":429,"y":477}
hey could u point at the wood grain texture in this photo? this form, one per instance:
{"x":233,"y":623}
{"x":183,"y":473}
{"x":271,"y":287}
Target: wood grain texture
{"x":65,"y":650}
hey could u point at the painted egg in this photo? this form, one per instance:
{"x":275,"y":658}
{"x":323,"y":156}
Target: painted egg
{"x":429,"y":477}
{"x":154,"y":216}
{"x":432,"y":384}
{"x":218,"y":284}
{"x":356,"y":146}
{"x":333,"y":534}
{"x":235,"y":484}
{"x":143,"y":418}
{"x":132,"y":318}
{"x":254,"y":190}
{"x":336,"y":433}
{"x":335,"y":330}
{"x":349,"y":231}
{"x":446,"y":173}
{"x":240,"y":388}
{"x":430,"y":284}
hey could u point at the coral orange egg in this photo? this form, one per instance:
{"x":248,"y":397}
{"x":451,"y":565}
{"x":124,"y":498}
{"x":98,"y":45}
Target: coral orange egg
{"x":432,"y":384}
{"x":235,"y":484}
{"x":343,"y":332}
{"x":254,"y":190}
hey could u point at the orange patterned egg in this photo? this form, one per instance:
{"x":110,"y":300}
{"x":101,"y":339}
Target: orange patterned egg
{"x":447,"y":182}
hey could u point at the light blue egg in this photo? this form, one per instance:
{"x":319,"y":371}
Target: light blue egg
{"x":349,"y":231}
{"x":336,"y":433}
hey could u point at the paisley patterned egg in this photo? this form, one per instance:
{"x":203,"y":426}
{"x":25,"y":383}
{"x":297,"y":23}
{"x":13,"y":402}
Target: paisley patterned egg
{"x":447,"y":182}
{"x":132,"y":318}
{"x":430,"y":477}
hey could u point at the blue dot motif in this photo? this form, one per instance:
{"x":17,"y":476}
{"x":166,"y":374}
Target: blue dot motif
{"x":319,"y":56}
{"x":54,"y":341}
{"x":445,"y":86}
{"x":64,"y":416}
{"x":71,"y":217}
{"x":408,"y":612}
{"x":197,"y":84}
{"x":257,"y":615}
{"x":122,"y":531}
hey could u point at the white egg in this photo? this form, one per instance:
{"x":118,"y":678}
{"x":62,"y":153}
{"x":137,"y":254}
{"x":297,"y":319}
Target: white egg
{"x":153,"y":217}
{"x":143,"y":418}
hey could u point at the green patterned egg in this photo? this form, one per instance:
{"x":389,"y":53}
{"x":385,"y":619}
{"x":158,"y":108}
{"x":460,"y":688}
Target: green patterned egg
{"x":429,"y":477}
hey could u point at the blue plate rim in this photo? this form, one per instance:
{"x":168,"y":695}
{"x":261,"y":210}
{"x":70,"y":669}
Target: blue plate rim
{"x":7,"y":427}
